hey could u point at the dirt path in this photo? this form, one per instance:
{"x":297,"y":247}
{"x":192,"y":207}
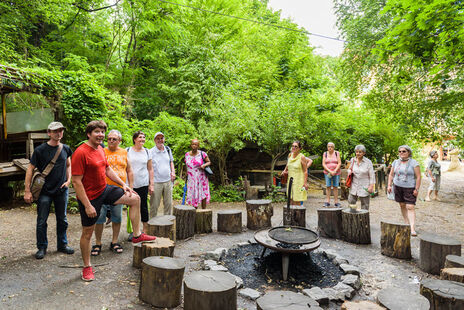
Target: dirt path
{"x":27,"y":283}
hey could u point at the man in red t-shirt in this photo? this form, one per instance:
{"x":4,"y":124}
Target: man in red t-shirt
{"x":89,"y":171}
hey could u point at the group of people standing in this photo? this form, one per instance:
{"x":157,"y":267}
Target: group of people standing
{"x":105,"y":179}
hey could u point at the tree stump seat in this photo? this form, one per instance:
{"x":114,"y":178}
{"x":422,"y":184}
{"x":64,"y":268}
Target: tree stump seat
{"x":161,"y":281}
{"x":329,"y":222}
{"x":452,"y":274}
{"x":394,"y":298}
{"x":454,"y":261}
{"x":443,"y":294}
{"x":434,"y":249}
{"x":160,"y":247}
{"x":229,"y":221}
{"x":185,"y":221}
{"x":395,"y":240}
{"x":356,"y":226}
{"x":163,"y":226}
{"x":204,"y":221}
{"x":259,"y":213}
{"x":361,"y":305}
{"x":297,"y":216}
{"x":286,"y":300}
{"x":210,"y":290}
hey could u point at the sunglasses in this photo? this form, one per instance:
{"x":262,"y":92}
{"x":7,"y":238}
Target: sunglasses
{"x":402,"y":151}
{"x":295,"y":146}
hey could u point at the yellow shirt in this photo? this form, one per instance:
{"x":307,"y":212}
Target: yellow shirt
{"x":118,"y":162}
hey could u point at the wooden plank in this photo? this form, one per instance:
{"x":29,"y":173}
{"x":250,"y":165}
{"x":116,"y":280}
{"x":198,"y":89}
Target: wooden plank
{"x":22,"y":163}
{"x":13,"y":170}
{"x":38,"y":136}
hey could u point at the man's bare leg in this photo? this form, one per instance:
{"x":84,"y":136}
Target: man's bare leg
{"x":86,"y":237}
{"x":133,"y":201}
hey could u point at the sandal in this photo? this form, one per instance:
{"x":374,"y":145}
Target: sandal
{"x":326,"y":204}
{"x":96,"y":249}
{"x":116,"y":248}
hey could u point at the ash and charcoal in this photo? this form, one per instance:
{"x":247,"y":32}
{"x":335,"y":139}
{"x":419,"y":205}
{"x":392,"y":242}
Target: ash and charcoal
{"x":288,"y":246}
{"x":304,"y":270}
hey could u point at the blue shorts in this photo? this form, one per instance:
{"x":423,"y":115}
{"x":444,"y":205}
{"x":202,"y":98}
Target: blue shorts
{"x":116,"y":213}
{"x":333,"y":181}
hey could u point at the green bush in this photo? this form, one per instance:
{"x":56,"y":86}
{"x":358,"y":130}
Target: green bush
{"x":227,"y":193}
{"x":276,"y":195}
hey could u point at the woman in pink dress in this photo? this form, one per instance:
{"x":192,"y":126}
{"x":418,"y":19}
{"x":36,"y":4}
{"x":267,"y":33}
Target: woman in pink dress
{"x":197,"y":182}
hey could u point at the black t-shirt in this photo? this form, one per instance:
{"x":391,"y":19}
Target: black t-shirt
{"x":44,"y":154}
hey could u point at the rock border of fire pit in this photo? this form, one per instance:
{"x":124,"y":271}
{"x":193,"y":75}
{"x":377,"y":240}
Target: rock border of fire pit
{"x":346,"y":289}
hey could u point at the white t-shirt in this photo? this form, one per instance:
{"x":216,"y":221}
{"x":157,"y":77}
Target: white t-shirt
{"x":161,"y":164}
{"x":138,"y":161}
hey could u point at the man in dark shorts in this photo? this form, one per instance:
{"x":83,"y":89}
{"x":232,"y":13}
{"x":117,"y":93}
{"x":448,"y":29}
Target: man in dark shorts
{"x":90,"y":169}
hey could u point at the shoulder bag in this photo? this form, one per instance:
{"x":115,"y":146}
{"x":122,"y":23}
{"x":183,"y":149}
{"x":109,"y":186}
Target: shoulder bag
{"x":349,"y":179}
{"x":207,"y":169}
{"x":38,"y":178}
{"x":391,"y":195}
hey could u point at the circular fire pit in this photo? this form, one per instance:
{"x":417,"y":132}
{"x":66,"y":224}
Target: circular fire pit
{"x":287,"y":248}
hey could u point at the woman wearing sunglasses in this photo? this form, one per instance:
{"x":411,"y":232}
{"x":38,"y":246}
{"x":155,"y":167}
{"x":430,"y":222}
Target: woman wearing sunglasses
{"x":404,"y":180}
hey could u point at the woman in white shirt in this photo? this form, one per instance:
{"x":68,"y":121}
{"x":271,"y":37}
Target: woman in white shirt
{"x":363,"y":178}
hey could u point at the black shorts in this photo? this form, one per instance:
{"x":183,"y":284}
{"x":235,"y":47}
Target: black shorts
{"x":110,"y":195}
{"x":405,"y":195}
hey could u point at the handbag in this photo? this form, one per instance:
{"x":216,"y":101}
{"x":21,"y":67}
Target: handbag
{"x":207,"y":169}
{"x":349,"y":179}
{"x":38,"y":178}
{"x":391,"y":195}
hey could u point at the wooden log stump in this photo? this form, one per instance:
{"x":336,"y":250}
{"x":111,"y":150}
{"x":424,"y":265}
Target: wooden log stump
{"x":203,"y":221}
{"x":361,"y":305}
{"x":394,"y":298}
{"x":329,"y":222}
{"x":356,"y":227}
{"x":285,"y":300}
{"x":229,"y":221}
{"x":452,"y":274}
{"x":161,"y":281}
{"x":443,"y":294}
{"x":160,"y":247}
{"x":297,"y":216}
{"x":185,"y":221}
{"x":395,"y":240}
{"x":454,"y":261}
{"x":210,"y":290}
{"x":259,"y":213}
{"x":163,"y":226}
{"x":433,"y":251}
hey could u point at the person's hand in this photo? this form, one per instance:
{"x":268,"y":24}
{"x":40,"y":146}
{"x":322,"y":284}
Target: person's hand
{"x":90,"y":211}
{"x":28,"y":197}
{"x":433,"y":179}
{"x":65,"y":184}
{"x":151,"y":189}
{"x":415,"y":192}
{"x":332,"y":173}
{"x":173,"y":176}
{"x":389,"y":189}
{"x":284,"y":173}
{"x":370,"y":189}
{"x":203,"y":166}
{"x":306,"y":186}
{"x":128,"y":190}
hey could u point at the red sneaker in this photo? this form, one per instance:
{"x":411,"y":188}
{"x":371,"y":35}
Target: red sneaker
{"x":143,"y":238}
{"x":87,"y":274}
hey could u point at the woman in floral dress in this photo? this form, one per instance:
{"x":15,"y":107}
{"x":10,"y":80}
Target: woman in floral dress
{"x":197,"y":182}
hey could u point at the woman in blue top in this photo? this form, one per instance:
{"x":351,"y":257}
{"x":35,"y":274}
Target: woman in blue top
{"x":406,"y":177}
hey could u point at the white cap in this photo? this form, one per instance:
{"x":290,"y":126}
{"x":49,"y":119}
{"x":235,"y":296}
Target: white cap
{"x":55,"y":126}
{"x":157,"y":134}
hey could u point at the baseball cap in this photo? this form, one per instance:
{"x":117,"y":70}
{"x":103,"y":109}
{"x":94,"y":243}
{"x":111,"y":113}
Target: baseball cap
{"x":55,"y":126}
{"x":158,"y":133}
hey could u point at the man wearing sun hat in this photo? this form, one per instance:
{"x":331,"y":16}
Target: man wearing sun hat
{"x":55,"y":188}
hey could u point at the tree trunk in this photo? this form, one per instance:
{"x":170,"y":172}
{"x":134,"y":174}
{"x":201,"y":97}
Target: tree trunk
{"x":434,"y":249}
{"x":229,"y":221}
{"x":161,"y":281}
{"x":210,"y":290}
{"x":285,"y":300}
{"x":163,"y":226}
{"x":443,"y":294}
{"x":452,"y":274}
{"x":297,"y":216}
{"x":361,"y":305}
{"x":356,"y":227}
{"x":259,"y":213}
{"x":395,"y":240}
{"x":330,"y":222}
{"x":203,"y":221}
{"x":185,"y":221}
{"x":454,"y":261}
{"x":161,"y":247}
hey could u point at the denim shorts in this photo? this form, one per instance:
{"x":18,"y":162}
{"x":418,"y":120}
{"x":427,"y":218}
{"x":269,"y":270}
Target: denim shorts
{"x":333,"y":181}
{"x":116,"y":213}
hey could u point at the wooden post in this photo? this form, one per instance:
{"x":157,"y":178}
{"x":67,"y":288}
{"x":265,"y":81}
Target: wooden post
{"x":163,"y":226}
{"x":443,"y":294}
{"x":259,"y":213}
{"x":161,"y":281}
{"x":454,"y":261}
{"x":285,"y":300}
{"x":297,"y":216}
{"x":397,"y":298}
{"x":203,"y":221}
{"x":395,"y":240}
{"x":185,"y":221}
{"x":452,"y":274}
{"x":433,"y":251}
{"x":356,"y":227}
{"x":161,"y":247}
{"x":210,"y":290}
{"x":229,"y":221}
{"x":329,"y":222}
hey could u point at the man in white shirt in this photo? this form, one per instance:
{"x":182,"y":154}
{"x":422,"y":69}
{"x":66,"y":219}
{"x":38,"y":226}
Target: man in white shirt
{"x":164,"y":176}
